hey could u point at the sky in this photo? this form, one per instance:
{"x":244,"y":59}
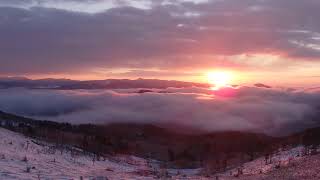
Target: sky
{"x":276,"y":42}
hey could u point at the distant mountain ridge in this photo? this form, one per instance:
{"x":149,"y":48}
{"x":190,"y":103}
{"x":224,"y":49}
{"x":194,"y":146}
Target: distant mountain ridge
{"x":67,"y":84}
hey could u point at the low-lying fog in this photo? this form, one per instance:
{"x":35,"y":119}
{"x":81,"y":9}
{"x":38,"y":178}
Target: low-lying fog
{"x":271,"y":111}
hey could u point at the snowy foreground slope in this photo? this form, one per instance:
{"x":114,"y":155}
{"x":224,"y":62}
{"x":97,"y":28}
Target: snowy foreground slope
{"x":26,"y":158}
{"x":286,"y":165}
{"x":307,"y":168}
{"x":21,"y":158}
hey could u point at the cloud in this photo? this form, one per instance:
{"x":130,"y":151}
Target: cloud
{"x":271,"y":111}
{"x":86,"y":6}
{"x":168,"y":34}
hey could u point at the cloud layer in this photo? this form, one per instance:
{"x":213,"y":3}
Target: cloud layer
{"x":271,"y":111}
{"x":56,"y":36}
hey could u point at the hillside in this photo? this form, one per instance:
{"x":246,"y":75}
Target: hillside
{"x":287,"y":165}
{"x":27,"y":158}
{"x":58,"y":150}
{"x":176,"y":149}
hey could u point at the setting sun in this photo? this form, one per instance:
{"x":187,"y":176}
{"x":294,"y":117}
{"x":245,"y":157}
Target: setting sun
{"x":219,"y":79}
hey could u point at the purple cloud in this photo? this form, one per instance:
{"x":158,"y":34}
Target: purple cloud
{"x":46,"y":39}
{"x":271,"y":111}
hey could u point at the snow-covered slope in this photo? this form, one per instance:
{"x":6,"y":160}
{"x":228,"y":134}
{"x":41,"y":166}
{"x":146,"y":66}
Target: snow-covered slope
{"x":304,"y":168}
{"x":25,"y":158}
{"x":289,"y":164}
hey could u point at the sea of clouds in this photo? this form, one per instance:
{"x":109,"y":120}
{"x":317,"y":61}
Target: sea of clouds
{"x":270,"y":111}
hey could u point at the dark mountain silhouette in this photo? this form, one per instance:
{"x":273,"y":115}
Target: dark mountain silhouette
{"x":67,"y":84}
{"x":260,"y":85}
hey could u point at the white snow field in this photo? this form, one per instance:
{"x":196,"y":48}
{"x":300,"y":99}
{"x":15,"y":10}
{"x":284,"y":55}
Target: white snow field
{"x":288,"y":164}
{"x":299,"y":168}
{"x":22,"y":158}
{"x":27,"y":159}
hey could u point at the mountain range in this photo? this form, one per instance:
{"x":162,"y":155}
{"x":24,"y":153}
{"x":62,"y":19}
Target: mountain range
{"x":67,"y":84}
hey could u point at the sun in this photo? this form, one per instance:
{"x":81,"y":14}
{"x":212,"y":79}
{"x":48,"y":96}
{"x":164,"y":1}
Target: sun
{"x":219,"y":79}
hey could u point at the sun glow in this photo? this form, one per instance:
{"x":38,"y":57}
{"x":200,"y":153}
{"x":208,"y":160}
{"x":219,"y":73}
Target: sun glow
{"x":219,"y":79}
